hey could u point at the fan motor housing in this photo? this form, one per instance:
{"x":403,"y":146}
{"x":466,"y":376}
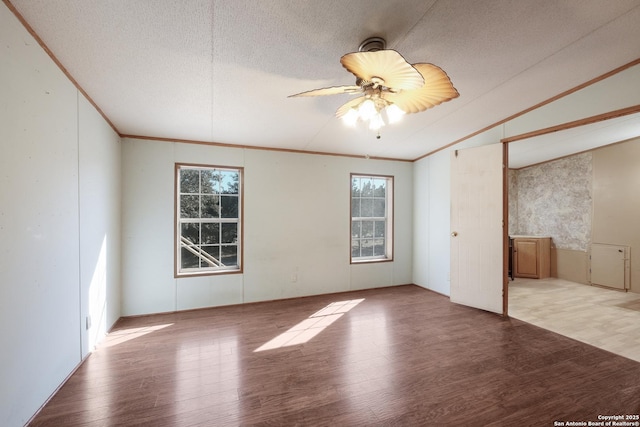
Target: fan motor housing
{"x":372,"y":44}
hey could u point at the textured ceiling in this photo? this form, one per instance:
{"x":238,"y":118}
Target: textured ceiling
{"x":583,"y":138}
{"x":221,"y":70}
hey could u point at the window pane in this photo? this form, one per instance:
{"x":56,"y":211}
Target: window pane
{"x":189,"y":206}
{"x":379,"y":187}
{"x":378,"y":247}
{"x":355,"y":248}
{"x":229,"y":206}
{"x":210,"y":208}
{"x":230,"y":255}
{"x":378,"y":208}
{"x":366,"y":247}
{"x":355,"y":187}
{"x":229,"y":232}
{"x":208,"y":182}
{"x":367,"y":187}
{"x":366,"y":208}
{"x":367,"y":229}
{"x":230,"y":183}
{"x":355,"y":228}
{"x":380,"y":228}
{"x":189,"y":180}
{"x":355,"y":207}
{"x":210,"y":233}
{"x":210,"y":251}
{"x":189,"y":260}
{"x":191,"y":232}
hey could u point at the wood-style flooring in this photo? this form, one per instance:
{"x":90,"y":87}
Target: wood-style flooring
{"x":401,"y":356}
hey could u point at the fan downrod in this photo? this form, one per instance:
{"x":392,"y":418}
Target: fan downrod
{"x":372,"y":44}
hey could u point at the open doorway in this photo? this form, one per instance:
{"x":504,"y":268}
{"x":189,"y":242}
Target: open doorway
{"x":573,"y":184}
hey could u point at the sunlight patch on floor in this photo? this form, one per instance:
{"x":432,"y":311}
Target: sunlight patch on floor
{"x":311,"y":326}
{"x":124,"y":335}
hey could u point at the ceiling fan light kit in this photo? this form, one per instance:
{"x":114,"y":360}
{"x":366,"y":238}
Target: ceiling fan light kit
{"x":389,"y":87}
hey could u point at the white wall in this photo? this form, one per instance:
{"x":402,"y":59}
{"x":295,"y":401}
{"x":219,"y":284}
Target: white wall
{"x":432,"y":214}
{"x":100,"y":212}
{"x":58,"y":172}
{"x":618,"y":91}
{"x":431,"y":244}
{"x":296,"y":223}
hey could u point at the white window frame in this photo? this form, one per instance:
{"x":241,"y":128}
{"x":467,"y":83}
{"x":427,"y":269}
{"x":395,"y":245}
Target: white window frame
{"x":208,"y":263}
{"x":356,"y":220}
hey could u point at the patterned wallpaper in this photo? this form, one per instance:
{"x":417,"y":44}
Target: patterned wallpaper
{"x":513,"y":201}
{"x":554,"y":199}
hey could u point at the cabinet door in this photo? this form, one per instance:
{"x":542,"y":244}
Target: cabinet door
{"x":526,"y":258}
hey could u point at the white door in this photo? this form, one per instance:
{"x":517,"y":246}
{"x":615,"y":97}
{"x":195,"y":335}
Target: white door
{"x":477,"y":241}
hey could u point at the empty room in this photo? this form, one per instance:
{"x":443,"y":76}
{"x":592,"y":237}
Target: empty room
{"x":332,"y":213}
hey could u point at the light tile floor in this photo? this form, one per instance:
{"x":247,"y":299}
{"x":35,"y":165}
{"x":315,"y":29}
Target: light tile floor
{"x":608,"y":319}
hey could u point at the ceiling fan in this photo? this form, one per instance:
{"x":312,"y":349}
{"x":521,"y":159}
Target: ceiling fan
{"x":388,"y":85}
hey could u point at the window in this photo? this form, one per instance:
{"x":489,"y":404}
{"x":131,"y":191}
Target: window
{"x":208,"y":219}
{"x":371,"y":218}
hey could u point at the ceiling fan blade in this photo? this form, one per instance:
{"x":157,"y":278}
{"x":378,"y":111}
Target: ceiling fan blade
{"x":348,"y":105}
{"x":387,"y":65}
{"x":333,"y":90}
{"x":437,"y":89}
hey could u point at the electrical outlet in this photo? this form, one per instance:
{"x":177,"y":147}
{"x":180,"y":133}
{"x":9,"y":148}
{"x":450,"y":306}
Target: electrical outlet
{"x":88,"y":322}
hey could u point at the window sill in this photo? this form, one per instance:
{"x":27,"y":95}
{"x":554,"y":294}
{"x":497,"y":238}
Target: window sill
{"x":370,"y":260}
{"x":206,"y":273}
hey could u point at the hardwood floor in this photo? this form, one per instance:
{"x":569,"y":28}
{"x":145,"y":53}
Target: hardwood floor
{"x":402,"y":356}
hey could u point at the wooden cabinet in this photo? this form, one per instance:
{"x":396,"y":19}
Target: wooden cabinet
{"x":532,"y":257}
